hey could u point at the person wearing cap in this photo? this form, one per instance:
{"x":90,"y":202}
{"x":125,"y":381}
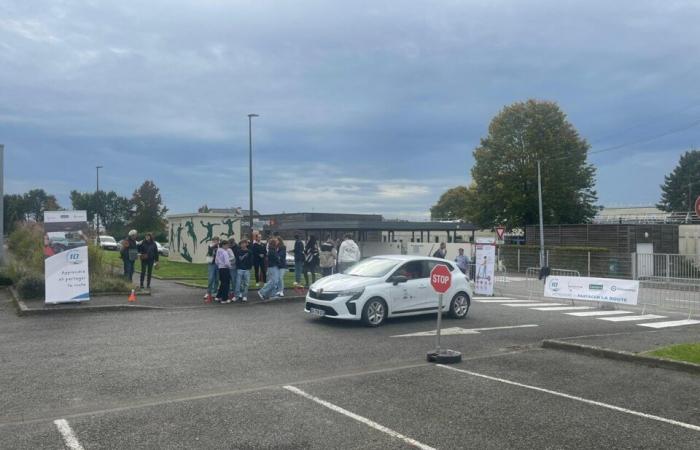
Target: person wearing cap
{"x":462,"y":261}
{"x":129,"y":254}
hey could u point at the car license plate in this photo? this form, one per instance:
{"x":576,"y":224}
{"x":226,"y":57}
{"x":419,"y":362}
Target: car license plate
{"x":317,"y":312}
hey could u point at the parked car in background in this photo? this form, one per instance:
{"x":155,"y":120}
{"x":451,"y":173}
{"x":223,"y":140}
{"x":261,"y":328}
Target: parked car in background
{"x":108,"y":243}
{"x":163,"y":249}
{"x":387,"y":286}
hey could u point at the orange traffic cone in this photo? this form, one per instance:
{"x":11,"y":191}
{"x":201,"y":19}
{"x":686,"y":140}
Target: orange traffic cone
{"x":132,"y":296}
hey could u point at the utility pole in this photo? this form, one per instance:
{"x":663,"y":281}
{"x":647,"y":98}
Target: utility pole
{"x":250,"y":169}
{"x":2,"y":204}
{"x":539,"y":195}
{"x":97,"y":204}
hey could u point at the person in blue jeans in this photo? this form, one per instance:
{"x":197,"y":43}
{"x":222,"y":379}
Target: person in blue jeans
{"x":272,"y":286}
{"x":244,"y":262}
{"x":281,"y":265}
{"x":298,"y":260}
{"x":212,"y":270}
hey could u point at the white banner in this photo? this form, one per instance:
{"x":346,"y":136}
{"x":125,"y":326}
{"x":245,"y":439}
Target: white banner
{"x":66,"y":257}
{"x":610,"y":290}
{"x":484,"y":268}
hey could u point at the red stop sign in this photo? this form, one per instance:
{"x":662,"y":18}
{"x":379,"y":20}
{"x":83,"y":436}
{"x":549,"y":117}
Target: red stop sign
{"x":697,"y":206}
{"x":440,"y":278}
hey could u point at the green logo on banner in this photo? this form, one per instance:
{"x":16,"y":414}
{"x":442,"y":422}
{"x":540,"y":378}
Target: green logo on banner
{"x":595,"y":287}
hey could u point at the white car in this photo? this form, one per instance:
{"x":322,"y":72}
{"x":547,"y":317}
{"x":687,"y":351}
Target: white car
{"x":108,"y":243}
{"x":163,"y":250}
{"x":387,"y":286}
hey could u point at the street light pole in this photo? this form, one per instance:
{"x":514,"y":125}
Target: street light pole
{"x":250,"y":168}
{"x":97,"y":203}
{"x":539,"y":195}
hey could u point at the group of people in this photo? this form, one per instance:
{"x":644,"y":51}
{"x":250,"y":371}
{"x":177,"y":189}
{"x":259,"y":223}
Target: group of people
{"x":146,"y":251}
{"x":230,"y":264}
{"x":461,"y":260}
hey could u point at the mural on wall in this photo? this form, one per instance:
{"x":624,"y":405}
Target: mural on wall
{"x":186,"y":254}
{"x":172,"y":235}
{"x":230,"y":223}
{"x":179,"y":235}
{"x":210,"y":231}
{"x":190,"y":232}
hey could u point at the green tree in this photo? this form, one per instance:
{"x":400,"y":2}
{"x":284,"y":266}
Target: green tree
{"x":36,"y":202}
{"x":682,"y":186}
{"x":15,"y":211}
{"x":114,"y":210}
{"x":505,"y":169}
{"x":454,"y":204}
{"x":148,"y":210}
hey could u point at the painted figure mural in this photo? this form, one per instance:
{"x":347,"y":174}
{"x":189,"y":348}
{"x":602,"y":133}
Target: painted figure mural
{"x":230,"y":223}
{"x":179,"y":236}
{"x":185,"y":254}
{"x":210,"y":231}
{"x":190,"y":232}
{"x":172,"y":234}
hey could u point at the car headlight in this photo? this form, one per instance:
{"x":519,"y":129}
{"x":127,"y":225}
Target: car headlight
{"x":354,"y":294}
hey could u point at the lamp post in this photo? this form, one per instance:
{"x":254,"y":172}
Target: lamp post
{"x":539,"y":198}
{"x":250,"y":168}
{"x":97,"y":203}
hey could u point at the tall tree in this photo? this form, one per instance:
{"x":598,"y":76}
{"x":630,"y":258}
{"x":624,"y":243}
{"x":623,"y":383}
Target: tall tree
{"x":15,"y":210}
{"x":114,"y":210}
{"x":454,"y":204}
{"x":36,"y":202}
{"x":682,"y":186}
{"x":505,"y":169}
{"x":148,"y":209}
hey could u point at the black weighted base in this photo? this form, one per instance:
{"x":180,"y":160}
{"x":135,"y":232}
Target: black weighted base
{"x":444,"y":356}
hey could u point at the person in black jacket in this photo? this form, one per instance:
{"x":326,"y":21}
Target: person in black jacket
{"x":129,"y":253}
{"x":298,"y":259}
{"x":244,"y":262}
{"x":311,"y":260}
{"x":148,"y":251}
{"x":259,"y":251}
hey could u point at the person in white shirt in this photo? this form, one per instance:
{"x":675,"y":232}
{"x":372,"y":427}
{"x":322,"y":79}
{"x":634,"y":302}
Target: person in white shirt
{"x":348,"y":254}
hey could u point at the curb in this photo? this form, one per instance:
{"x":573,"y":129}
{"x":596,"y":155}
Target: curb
{"x":619,"y":355}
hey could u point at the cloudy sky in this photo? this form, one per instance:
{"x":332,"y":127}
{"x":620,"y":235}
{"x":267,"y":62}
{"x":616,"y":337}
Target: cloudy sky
{"x":365,"y":106}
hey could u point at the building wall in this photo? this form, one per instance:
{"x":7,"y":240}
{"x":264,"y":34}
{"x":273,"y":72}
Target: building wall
{"x":189,"y":235}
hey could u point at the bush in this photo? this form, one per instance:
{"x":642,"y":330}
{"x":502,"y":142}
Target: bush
{"x":26,"y":246}
{"x":31,"y":286}
{"x":5,"y":278}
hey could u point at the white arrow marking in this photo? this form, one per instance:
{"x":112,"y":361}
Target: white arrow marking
{"x":457,"y":330}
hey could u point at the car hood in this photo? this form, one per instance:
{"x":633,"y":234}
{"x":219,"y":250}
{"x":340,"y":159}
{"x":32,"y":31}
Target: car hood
{"x":340,"y":282}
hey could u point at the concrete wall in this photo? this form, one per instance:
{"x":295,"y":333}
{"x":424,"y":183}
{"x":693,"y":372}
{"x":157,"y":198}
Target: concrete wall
{"x":689,"y":239}
{"x":189,"y":235}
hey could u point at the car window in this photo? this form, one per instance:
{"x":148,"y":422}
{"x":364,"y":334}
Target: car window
{"x":412,"y":270}
{"x":429,"y":264}
{"x":372,"y":267}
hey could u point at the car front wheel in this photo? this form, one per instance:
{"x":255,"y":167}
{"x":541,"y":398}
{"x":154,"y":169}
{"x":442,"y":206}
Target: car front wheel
{"x":374,"y":312}
{"x":459,"y":307}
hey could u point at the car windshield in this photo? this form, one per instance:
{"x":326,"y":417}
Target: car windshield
{"x":372,"y":267}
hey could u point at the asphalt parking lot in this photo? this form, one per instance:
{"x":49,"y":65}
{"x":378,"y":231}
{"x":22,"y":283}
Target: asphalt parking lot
{"x":270,"y":376}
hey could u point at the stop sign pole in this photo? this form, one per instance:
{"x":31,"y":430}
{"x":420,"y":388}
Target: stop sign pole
{"x":441,"y":280}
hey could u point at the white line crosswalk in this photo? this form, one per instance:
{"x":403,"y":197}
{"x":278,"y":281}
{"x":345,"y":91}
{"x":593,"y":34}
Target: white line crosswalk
{"x":610,"y":315}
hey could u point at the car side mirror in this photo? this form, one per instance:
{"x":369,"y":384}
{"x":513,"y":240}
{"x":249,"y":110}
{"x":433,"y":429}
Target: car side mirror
{"x":396,"y":279}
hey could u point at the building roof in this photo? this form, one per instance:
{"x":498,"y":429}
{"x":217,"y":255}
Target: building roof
{"x":387,"y":225}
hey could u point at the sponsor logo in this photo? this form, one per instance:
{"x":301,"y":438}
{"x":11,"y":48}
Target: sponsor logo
{"x":618,"y":288}
{"x":595,"y":287}
{"x":74,"y":257}
{"x":554,"y":285}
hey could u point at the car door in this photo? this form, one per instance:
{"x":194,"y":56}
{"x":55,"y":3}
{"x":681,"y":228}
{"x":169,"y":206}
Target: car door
{"x":406,"y":297}
{"x":431,"y":297}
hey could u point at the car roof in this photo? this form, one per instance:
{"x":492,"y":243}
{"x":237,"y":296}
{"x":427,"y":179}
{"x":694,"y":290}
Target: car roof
{"x":401,"y":258}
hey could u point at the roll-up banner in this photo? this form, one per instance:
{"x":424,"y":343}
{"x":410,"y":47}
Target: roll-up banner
{"x":611,"y":290}
{"x":66,"y":257}
{"x":485,"y":260}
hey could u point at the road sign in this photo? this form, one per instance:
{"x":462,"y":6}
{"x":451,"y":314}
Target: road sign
{"x":697,"y":206}
{"x":440,"y":278}
{"x":500,"y":232}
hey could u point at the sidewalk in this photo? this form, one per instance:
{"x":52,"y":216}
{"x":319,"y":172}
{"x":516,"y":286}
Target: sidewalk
{"x":632,"y":346}
{"x":163,"y":295}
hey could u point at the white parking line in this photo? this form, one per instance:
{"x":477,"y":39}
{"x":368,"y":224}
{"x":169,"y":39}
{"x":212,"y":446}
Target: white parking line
{"x":67,"y":434}
{"x":563,"y":308}
{"x":631,"y":318}
{"x":579,"y":399}
{"x":457,"y":331}
{"x":493,"y":298}
{"x":523,"y":305}
{"x":360,"y":419}
{"x":503,"y":301}
{"x":598,"y":313}
{"x":672,"y":323}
